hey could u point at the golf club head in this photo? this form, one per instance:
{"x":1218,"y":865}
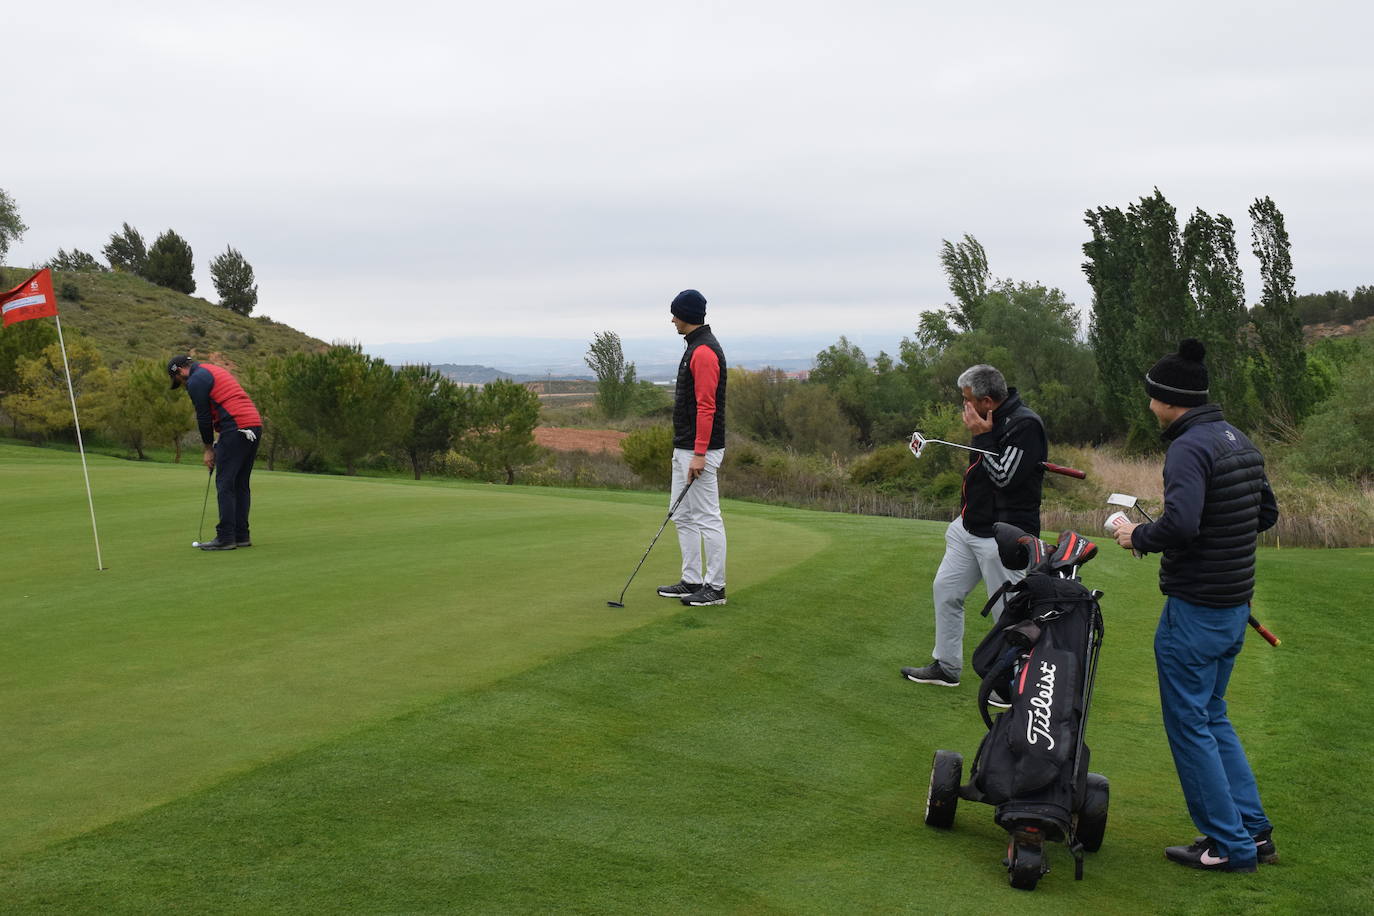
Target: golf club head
{"x":1072,"y":550}
{"x":1122,"y":499}
{"x":917,"y":444}
{"x":614,"y":604}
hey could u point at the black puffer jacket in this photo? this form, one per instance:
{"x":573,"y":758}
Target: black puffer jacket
{"x":1216,"y":500}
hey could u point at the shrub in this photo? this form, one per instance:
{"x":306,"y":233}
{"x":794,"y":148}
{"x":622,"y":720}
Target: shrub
{"x":70,"y":292}
{"x":649,"y":452}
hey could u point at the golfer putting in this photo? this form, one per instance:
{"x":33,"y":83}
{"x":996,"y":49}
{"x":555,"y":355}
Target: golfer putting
{"x":223,"y":408}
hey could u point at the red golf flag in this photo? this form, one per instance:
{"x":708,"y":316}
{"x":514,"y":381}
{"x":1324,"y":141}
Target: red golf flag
{"x":31,"y":299}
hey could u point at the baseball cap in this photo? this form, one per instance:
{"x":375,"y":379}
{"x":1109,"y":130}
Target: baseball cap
{"x":175,"y":363}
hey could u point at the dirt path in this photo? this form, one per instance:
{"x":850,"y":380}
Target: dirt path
{"x":563,"y":439}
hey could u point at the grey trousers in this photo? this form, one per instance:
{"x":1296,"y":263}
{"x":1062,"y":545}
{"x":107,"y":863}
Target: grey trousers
{"x":700,"y":528}
{"x":967,"y":560}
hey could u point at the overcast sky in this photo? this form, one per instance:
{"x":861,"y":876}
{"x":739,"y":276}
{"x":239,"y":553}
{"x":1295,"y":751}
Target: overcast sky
{"x":407,"y":171}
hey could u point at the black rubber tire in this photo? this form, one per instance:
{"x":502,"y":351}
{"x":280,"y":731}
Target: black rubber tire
{"x":1027,"y":865}
{"x":1092,"y":817}
{"x":946,"y":772}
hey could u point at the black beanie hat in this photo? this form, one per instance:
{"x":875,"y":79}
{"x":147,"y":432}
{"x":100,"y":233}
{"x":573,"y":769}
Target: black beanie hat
{"x":690,"y":306}
{"x":1180,"y":378}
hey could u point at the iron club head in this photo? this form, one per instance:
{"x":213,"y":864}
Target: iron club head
{"x":1122,"y":499}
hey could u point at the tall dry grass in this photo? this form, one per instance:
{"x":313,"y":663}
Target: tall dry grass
{"x":1312,"y":512}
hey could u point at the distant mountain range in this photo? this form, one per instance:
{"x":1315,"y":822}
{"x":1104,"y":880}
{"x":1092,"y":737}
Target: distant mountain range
{"x":482,"y":359}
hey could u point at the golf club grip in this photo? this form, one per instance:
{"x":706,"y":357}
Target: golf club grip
{"x":1060,"y":469}
{"x":1262,"y":630}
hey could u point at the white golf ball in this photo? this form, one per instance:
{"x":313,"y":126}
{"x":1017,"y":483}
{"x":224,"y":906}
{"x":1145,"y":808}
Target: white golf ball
{"x":195,"y":543}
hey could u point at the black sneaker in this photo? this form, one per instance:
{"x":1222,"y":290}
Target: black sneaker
{"x":1203,"y":855}
{"x":1265,"y":850}
{"x":934,"y":673}
{"x":217,"y":544}
{"x":706,"y":595}
{"x":243,"y":543}
{"x":681,"y":590}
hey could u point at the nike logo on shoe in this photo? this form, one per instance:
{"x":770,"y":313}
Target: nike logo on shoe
{"x":1210,"y":861}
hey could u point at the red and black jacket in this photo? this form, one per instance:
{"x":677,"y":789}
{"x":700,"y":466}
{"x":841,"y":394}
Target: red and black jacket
{"x":222,"y":405}
{"x":699,"y":401}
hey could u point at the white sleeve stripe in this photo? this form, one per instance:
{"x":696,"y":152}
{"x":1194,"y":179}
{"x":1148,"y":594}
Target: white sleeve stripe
{"x":1003,"y":467}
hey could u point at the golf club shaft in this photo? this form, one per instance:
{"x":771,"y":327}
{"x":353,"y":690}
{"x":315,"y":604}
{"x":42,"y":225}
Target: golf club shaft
{"x":667,"y":519}
{"x":204,"y":503}
{"x":1049,"y":466}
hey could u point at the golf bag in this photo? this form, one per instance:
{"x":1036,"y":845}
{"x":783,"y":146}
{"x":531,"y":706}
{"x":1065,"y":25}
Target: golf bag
{"x":1041,"y":658}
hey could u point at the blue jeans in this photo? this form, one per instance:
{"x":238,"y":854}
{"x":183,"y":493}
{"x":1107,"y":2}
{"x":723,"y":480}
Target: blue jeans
{"x":1195,"y":650}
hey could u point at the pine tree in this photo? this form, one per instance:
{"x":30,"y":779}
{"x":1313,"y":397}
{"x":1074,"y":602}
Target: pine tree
{"x":171,"y":264}
{"x":126,"y":251}
{"x":234,"y":281}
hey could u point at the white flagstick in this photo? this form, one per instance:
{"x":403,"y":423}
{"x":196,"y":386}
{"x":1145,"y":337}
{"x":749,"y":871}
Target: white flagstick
{"x":81,"y":448}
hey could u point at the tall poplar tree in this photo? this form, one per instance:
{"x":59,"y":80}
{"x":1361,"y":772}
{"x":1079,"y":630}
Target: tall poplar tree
{"x":966,"y":266}
{"x":1212,"y":265}
{"x":1110,"y":269}
{"x":1281,"y":379}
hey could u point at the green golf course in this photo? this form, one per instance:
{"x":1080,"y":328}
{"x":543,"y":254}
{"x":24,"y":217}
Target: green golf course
{"x":411,"y":697}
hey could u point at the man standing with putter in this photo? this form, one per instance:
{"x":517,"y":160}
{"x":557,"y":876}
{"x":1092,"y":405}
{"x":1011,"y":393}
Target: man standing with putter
{"x":1002,"y":487}
{"x":698,"y":450}
{"x":222,"y":406}
{"x":1216,"y":500}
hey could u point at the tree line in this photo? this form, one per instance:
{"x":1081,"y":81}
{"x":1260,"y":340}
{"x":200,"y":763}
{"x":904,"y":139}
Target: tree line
{"x":1154,"y":283}
{"x":339,"y":407}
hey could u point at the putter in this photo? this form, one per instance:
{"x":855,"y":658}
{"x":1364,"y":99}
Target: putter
{"x":200,"y":532}
{"x":919,"y":442}
{"x":676,"y":502}
{"x":1130,"y":502}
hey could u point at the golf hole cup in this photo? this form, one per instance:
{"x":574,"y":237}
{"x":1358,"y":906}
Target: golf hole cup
{"x":1114,"y":521}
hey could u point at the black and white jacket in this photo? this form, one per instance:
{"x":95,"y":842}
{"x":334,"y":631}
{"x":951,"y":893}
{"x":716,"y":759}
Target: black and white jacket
{"x":1006,"y":487}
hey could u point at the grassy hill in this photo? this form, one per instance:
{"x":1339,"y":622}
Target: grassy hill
{"x":433,"y":710}
{"x":129,"y":318}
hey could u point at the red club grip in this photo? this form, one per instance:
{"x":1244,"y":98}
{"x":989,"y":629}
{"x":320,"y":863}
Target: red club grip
{"x":1060,"y":469}
{"x":1262,"y":630}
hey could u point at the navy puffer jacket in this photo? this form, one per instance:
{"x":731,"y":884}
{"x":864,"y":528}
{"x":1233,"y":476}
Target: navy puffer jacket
{"x":1216,"y":500}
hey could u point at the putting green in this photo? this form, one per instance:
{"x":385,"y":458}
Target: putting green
{"x":174,"y":667}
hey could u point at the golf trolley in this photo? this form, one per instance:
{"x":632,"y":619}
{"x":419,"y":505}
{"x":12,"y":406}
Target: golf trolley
{"x":1041,"y":658}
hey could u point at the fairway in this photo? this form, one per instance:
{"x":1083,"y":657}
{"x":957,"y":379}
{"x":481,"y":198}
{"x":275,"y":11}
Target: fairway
{"x":411,"y":697}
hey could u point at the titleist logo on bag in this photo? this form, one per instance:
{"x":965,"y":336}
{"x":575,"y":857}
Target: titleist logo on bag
{"x":1039,"y":722}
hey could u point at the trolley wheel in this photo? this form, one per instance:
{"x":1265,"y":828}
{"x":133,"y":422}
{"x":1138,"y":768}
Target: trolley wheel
{"x":946,"y":771}
{"x":1026,"y":860}
{"x":1092,"y":816}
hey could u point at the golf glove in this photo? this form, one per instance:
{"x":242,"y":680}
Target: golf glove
{"x":252,"y":436}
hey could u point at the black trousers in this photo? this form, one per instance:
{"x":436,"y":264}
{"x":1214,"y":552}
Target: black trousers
{"x":234,"y":457}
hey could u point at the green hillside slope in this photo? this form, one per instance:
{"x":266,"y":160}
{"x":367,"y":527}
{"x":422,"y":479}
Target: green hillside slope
{"x":129,"y":318}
